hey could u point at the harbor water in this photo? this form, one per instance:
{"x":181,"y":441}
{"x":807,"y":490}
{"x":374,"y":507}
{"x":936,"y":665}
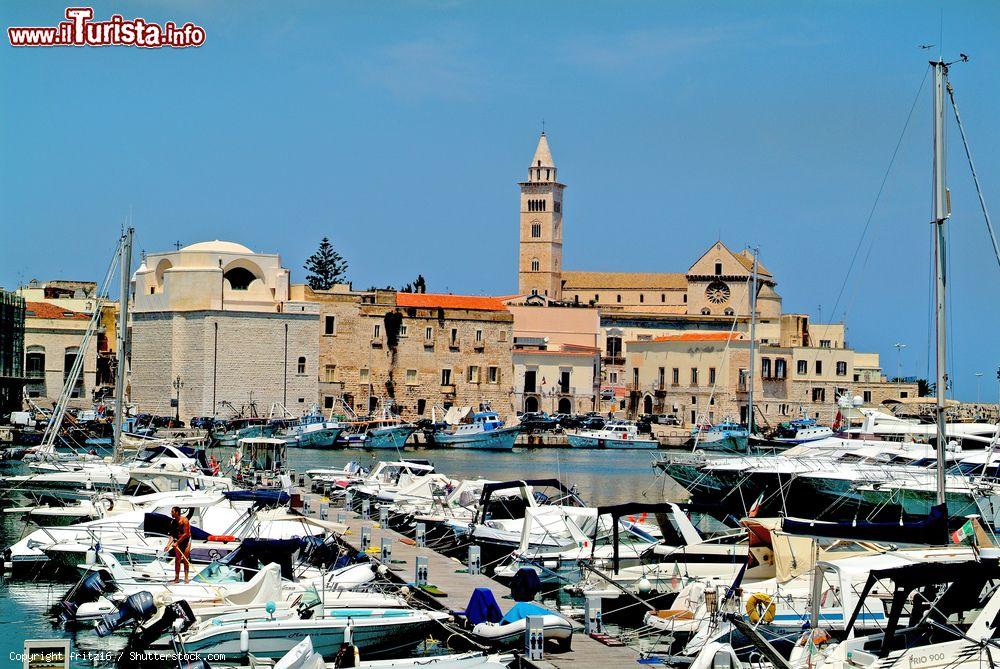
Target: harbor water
{"x":600,"y":476}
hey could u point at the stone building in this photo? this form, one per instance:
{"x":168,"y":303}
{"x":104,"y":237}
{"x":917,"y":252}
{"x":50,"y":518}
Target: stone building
{"x":53,"y":337}
{"x":419,"y":350}
{"x":216,"y":319}
{"x":711,"y":299}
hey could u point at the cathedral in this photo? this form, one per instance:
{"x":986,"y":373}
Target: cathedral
{"x":717,"y":284}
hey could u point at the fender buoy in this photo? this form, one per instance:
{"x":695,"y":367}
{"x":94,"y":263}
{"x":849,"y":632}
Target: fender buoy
{"x":224,"y":538}
{"x":760,"y":607}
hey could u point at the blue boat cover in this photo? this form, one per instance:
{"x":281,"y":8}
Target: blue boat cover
{"x":483,"y":607}
{"x":525,"y":585}
{"x":523,"y":610}
{"x":258,"y":496}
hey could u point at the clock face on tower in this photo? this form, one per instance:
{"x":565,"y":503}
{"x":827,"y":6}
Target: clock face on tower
{"x":717,"y":292}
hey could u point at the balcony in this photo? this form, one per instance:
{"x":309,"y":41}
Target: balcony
{"x":377,"y":343}
{"x":612,"y":360}
{"x":34,"y":374}
{"x":448,"y":388}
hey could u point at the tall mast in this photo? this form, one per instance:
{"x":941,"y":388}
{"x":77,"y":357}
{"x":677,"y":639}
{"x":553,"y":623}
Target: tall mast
{"x":942,"y":210}
{"x":753,"y":343}
{"x":125,"y":271}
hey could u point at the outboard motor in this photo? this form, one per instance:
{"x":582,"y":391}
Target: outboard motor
{"x":139,"y":608}
{"x":144,"y":636}
{"x":88,"y":589}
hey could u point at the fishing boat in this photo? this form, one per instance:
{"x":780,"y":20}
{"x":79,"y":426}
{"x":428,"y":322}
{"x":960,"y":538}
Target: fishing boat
{"x":481,"y":430}
{"x":800,"y":431}
{"x":724,"y":436}
{"x":613,"y":435}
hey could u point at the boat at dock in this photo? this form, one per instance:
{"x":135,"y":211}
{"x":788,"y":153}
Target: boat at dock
{"x":481,"y":429}
{"x":618,"y":434}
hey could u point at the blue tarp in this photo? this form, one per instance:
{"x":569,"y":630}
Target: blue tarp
{"x":523,"y":610}
{"x":483,"y":607}
{"x":258,"y":496}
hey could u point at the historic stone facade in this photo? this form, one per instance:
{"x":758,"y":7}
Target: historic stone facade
{"x":418,"y":350}
{"x":217,"y":317}
{"x":540,"y":262}
{"x":53,"y":337}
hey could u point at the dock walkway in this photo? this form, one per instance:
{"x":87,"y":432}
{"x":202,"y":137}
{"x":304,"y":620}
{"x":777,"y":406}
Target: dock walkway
{"x":452,"y":577}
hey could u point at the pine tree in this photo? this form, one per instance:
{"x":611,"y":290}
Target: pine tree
{"x":326,"y":267}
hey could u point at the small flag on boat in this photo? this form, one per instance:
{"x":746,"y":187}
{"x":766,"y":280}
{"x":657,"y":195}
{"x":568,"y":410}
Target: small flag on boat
{"x":838,"y":419}
{"x":755,"y":507}
{"x":675,"y":581}
{"x":965,"y":534}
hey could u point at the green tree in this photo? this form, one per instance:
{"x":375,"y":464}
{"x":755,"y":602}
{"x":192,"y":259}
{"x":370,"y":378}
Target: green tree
{"x":326,"y":267}
{"x":419,"y":285}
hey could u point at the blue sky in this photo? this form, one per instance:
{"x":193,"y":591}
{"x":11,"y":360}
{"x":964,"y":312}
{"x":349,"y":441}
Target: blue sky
{"x":400,"y":130}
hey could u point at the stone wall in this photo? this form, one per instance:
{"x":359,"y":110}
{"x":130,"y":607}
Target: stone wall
{"x":223,"y":357}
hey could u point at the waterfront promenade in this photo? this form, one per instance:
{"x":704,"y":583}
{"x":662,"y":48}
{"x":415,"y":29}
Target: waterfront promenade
{"x":451,"y":576}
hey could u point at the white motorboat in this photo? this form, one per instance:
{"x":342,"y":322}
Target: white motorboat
{"x":613,"y":435}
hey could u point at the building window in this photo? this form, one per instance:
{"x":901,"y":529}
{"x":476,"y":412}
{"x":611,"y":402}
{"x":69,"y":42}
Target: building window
{"x":663,"y":297}
{"x":676,"y":376}
{"x":330,"y":325}
{"x":377,"y":331}
{"x":536,"y":230}
{"x":454,"y":337}
{"x":729,"y":312}
{"x":824,"y":343}
{"x":718,"y":269}
{"x":661,"y":377}
{"x":819,"y":394}
{"x":711,"y":375}
{"x":402,"y":330}
{"x":330,"y":374}
{"x":642,"y":298}
{"x":903,"y":394}
{"x":765,"y":368}
{"x":866,"y":396}
{"x":535,"y":265}
{"x":841,"y":368}
{"x":421,"y":406}
{"x":152,"y":290}
{"x":479,"y":335}
{"x":706,"y":311}
{"x":802,"y":367}
{"x":34,"y":364}
{"x":780,"y":368}
{"x":597,"y":298}
{"x":445,"y":377}
{"x":694,"y":376}
{"x":428,"y":334}
{"x":819,"y":366}
{"x":302,"y":365}
{"x":493,"y":374}
{"x":473,"y":373}
{"x":502,"y":336}
{"x":328,"y":401}
{"x":618,"y":298}
{"x":614,"y":347}
{"x":364,"y":375}
{"x":411,"y":376}
{"x":635,"y":378}
{"x":613,"y":377}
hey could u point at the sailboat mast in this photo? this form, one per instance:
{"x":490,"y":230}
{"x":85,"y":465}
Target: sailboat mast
{"x":942,"y":210}
{"x":125,"y":271}
{"x":753,"y":344}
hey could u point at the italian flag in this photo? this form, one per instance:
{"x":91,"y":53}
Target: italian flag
{"x":965,"y":534}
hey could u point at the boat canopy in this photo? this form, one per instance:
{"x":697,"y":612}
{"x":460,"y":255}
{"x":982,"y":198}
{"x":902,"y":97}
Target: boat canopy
{"x":264,"y":497}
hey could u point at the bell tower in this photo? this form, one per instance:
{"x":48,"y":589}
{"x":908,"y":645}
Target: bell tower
{"x":540,"y":257}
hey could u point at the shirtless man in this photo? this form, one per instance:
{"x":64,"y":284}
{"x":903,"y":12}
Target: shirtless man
{"x":180,"y":542}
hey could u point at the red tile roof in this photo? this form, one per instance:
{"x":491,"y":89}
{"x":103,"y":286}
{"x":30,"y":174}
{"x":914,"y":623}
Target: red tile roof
{"x":700,"y":336}
{"x":46,"y":310}
{"x":442,"y":301}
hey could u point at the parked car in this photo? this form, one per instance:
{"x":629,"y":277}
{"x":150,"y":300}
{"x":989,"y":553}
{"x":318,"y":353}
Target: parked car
{"x":538,"y":420}
{"x":592,"y":422}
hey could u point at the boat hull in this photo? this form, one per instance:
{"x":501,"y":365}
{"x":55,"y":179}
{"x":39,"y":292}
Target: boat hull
{"x":583,"y":441}
{"x":492,"y":440}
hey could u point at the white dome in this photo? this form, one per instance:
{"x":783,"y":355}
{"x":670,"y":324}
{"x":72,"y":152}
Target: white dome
{"x":218,"y":246}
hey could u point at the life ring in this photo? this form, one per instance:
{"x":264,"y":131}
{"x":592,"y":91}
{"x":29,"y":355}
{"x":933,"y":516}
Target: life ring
{"x":760,"y":607}
{"x":108,"y":503}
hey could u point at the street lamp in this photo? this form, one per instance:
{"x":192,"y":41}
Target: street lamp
{"x":899,"y":349}
{"x":178,"y":384}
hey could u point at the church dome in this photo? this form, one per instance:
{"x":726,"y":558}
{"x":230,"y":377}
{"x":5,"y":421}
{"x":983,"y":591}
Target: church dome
{"x":217,"y":246}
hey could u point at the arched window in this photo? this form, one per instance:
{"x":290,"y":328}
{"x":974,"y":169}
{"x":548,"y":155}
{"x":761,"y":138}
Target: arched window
{"x":34,"y":362}
{"x":302,"y":365}
{"x":729,"y":312}
{"x":619,"y":298}
{"x":534,"y":264}
{"x":239,"y":278}
{"x":663,"y":297}
{"x":706,"y":311}
{"x":536,"y":230}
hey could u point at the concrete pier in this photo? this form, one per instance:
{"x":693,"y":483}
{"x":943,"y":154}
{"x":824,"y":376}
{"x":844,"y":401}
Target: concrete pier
{"x":452,"y":577}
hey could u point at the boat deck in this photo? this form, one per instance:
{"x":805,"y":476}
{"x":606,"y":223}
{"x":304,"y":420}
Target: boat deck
{"x":452,"y":577}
